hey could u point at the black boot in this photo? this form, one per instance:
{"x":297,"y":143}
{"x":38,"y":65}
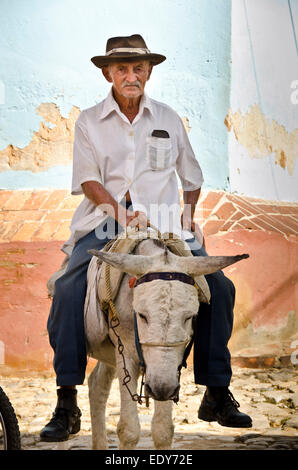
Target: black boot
{"x":66,"y":417}
{"x":219,"y":405}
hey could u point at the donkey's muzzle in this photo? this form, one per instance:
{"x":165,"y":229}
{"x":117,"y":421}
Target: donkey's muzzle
{"x":162,"y":393}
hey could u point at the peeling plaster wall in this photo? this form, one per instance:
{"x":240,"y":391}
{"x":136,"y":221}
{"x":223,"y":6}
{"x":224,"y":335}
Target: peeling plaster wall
{"x":50,"y":145}
{"x":263,"y":115}
{"x":262,"y":137}
{"x":45,"y":66}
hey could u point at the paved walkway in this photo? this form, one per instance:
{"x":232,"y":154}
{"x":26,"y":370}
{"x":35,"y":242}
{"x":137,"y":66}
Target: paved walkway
{"x":270,"y":396}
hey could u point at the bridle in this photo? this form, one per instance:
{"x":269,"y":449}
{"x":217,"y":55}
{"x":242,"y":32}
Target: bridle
{"x":113,"y":322}
{"x":166,"y":276}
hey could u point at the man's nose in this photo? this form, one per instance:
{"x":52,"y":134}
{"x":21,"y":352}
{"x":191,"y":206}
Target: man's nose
{"x":131,"y":76}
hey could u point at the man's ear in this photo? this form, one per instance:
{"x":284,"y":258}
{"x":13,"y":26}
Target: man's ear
{"x":149,"y":72}
{"x":106,"y":74}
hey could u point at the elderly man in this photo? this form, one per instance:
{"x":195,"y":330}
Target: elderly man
{"x":127,"y":151}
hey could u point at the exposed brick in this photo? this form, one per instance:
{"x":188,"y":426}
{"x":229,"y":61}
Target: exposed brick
{"x":267,"y":208}
{"x":26,"y":231}
{"x":251,"y":211}
{"x":46,"y":231}
{"x":59,"y":215}
{"x":288,"y":221}
{"x":225,"y":211}
{"x":55,"y":199}
{"x":254,"y":200}
{"x":36,"y":200}
{"x":17,"y":200}
{"x":199,"y":221}
{"x":202,"y":213}
{"x":21,"y":211}
{"x":278,"y":209}
{"x":71,"y":202}
{"x":227,"y":225}
{"x":212,"y":199}
{"x":21,"y":215}
{"x":63,"y":232}
{"x":238,"y":226}
{"x":246,"y":207}
{"x":4,"y":196}
{"x":249,"y":224}
{"x":293,"y":210}
{"x":274,"y":224}
{"x":212,"y":226}
{"x":237,"y":216}
{"x":8,"y":229}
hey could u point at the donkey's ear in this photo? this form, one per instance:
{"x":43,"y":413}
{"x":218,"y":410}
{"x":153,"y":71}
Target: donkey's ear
{"x":131,"y":264}
{"x":197,"y":265}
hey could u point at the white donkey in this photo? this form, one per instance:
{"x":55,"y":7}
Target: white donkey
{"x":164,"y":307}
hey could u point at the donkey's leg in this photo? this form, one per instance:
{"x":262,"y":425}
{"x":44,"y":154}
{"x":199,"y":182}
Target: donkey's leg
{"x":128,"y":428}
{"x":162,"y":427}
{"x":99,"y":383}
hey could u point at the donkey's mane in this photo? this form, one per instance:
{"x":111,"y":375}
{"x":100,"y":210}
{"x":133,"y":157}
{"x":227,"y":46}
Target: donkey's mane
{"x":156,"y":242}
{"x":159,"y":243}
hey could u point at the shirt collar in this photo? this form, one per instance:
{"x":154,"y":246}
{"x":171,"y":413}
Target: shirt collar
{"x":110,"y":105}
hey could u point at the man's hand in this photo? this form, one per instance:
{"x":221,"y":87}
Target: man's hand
{"x":137,"y":219}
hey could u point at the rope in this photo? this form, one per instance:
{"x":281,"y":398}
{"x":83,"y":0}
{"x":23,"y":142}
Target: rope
{"x":112,"y":308}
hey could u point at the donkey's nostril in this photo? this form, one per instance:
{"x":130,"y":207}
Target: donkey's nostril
{"x":162,"y":393}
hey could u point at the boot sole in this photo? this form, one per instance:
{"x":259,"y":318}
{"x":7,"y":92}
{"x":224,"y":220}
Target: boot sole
{"x":74,"y":430}
{"x":206,"y":417}
{"x":51,"y":439}
{"x":235,"y":425}
{"x":210,"y":419}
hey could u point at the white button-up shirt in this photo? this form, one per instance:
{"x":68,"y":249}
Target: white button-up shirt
{"x":123,"y":156}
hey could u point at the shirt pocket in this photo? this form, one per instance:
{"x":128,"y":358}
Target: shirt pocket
{"x":159,"y":152}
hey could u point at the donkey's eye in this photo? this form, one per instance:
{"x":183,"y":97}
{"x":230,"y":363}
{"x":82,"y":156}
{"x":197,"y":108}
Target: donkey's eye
{"x":143,"y":317}
{"x":187,"y":319}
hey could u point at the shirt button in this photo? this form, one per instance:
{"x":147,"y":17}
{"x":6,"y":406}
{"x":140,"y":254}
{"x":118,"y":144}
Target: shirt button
{"x":131,"y":133}
{"x":128,"y":181}
{"x":132,"y":156}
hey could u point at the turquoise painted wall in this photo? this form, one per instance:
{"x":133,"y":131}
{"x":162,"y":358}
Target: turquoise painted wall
{"x":45,"y":50}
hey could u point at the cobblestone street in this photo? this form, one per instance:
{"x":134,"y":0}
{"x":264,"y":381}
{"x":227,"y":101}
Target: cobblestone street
{"x":269,"y":396}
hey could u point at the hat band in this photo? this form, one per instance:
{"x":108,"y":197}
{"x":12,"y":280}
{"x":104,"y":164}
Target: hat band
{"x":135,"y":50}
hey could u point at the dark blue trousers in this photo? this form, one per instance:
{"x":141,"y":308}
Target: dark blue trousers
{"x":66,"y":320}
{"x":213,"y":329}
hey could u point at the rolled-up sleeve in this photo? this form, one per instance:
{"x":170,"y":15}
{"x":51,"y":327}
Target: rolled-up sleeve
{"x":187,"y":166}
{"x":85,"y":167}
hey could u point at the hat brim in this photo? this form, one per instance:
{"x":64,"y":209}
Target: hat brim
{"x":101,"y":61}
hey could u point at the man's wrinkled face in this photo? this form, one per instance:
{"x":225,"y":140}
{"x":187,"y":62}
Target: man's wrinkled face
{"x":128,"y":78}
